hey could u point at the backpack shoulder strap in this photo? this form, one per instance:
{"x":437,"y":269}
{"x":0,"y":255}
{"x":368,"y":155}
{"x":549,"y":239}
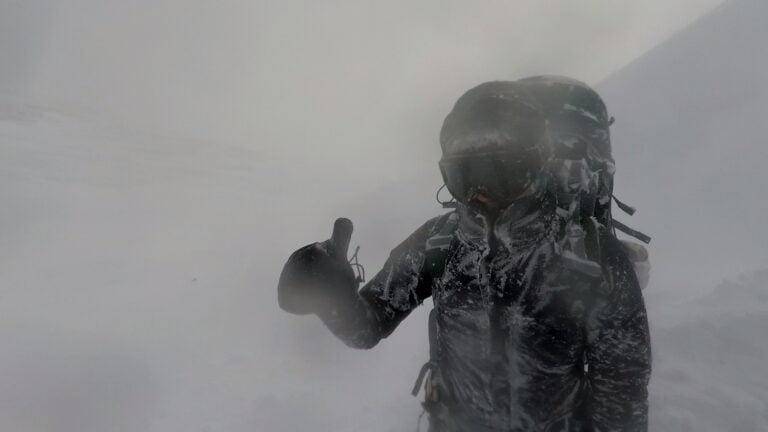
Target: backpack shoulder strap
{"x":437,"y":244}
{"x":436,"y":249}
{"x":585,"y":256}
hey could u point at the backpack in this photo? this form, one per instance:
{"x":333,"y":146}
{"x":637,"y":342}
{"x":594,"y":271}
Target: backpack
{"x":580,"y":135}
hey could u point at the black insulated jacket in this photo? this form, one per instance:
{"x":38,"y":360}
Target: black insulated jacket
{"x":539,"y":325}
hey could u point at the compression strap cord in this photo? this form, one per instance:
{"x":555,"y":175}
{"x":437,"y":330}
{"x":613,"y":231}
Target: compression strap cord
{"x":359,"y":269}
{"x":418,"y":422}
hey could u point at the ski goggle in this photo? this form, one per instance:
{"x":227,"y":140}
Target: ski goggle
{"x":501,"y":176}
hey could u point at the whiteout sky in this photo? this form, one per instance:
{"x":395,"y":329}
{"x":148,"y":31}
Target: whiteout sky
{"x":306,"y":82}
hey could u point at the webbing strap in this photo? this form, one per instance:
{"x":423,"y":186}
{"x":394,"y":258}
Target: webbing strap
{"x":420,"y":379}
{"x":626,"y":208}
{"x":631,"y":232}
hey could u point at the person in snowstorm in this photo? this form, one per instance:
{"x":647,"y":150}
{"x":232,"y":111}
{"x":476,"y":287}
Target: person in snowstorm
{"x":539,"y":322}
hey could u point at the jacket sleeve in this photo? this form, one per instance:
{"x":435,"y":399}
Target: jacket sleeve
{"x":375,"y":311}
{"x":619,"y":350}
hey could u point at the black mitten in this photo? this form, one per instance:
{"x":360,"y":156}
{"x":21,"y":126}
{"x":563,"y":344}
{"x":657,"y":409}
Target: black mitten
{"x":318,"y":276}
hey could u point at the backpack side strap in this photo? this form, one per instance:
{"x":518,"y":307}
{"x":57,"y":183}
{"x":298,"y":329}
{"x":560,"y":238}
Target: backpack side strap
{"x":437,"y":245}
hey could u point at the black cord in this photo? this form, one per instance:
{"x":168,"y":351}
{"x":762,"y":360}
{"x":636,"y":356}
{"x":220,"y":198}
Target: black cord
{"x":446,"y":204}
{"x":359,"y":269}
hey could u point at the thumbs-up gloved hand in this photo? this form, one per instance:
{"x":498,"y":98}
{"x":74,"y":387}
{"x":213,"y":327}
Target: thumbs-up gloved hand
{"x":319,"y":276}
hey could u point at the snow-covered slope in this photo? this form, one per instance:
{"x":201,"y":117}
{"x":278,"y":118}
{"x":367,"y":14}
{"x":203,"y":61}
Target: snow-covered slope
{"x":709,"y":367}
{"x":691,"y":146}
